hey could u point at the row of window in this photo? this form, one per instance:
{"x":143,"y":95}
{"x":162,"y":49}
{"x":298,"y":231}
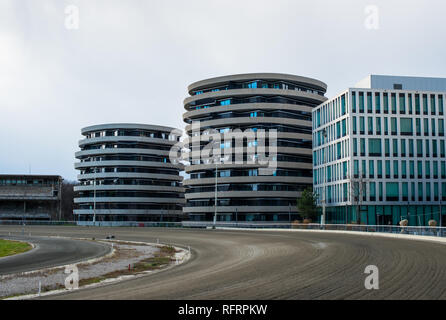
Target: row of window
{"x":126,"y":145}
{"x":249,"y":187}
{"x":242,"y":202}
{"x":283,"y":85}
{"x":300,"y":115}
{"x":33,"y":182}
{"x":334,"y":172}
{"x":330,"y":133}
{"x":293,"y":143}
{"x":379,"y":103}
{"x":133,"y":182}
{"x":128,"y":194}
{"x":380,"y":169}
{"x":418,"y":215}
{"x":377,"y":147}
{"x":206,"y":130}
{"x":330,"y":111}
{"x":402,"y":103}
{"x":133,"y":133}
{"x":360,"y":192}
{"x":129,"y":206}
{"x":124,"y":157}
{"x":129,"y":169}
{"x":406,"y":126}
{"x":209,"y":103}
{"x":254,"y":158}
{"x":331,"y":153}
{"x":250,"y":173}
{"x":164,"y":216}
{"x":397,"y":169}
{"x":242,"y":216}
{"x":398,"y":147}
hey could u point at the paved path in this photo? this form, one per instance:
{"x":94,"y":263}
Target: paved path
{"x":49,"y":252}
{"x":229,"y":264}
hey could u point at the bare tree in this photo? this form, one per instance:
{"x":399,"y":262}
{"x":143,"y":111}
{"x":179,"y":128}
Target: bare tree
{"x":68,"y":200}
{"x":358,"y":189}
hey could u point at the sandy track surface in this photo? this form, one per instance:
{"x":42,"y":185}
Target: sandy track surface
{"x":227,"y":264}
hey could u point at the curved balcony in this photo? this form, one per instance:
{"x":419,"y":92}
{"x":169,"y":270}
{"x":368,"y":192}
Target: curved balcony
{"x":222,"y":80}
{"x":126,"y":163}
{"x":211,"y":97}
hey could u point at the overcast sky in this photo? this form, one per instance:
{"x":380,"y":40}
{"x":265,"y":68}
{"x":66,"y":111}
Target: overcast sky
{"x":131,"y":61}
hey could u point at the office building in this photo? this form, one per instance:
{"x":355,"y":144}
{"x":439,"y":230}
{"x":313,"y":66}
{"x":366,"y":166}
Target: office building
{"x":254,"y":102}
{"x":379,"y":152}
{"x":126,"y":174}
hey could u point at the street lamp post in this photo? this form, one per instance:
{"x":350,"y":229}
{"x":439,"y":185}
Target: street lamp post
{"x":440,"y":232}
{"x":324,"y":133}
{"x":236,"y":216}
{"x":215,"y":203}
{"x":440,"y":194}
{"x":323,"y":207}
{"x":408,"y":213}
{"x":59,"y":193}
{"x":220,"y":159}
{"x":94,"y":197}
{"x":379,"y":220}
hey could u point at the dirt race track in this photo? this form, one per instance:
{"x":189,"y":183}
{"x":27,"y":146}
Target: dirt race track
{"x":228,"y":264}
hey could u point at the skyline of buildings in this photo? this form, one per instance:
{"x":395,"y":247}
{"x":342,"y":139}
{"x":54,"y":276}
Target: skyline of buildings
{"x":374,"y":154}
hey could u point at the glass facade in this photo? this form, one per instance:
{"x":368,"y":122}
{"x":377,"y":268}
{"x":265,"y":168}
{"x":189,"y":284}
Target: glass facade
{"x":398,"y":157}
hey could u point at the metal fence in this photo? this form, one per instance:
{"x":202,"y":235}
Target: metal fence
{"x":414,"y":230}
{"x":131,"y":224}
{"x":90,"y":223}
{"x":248,"y":225}
{"x":421,"y":231}
{"x":38,"y":222}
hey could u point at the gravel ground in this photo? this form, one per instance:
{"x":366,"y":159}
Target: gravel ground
{"x":124,"y":255}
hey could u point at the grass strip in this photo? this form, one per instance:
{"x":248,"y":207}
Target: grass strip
{"x":10,"y":247}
